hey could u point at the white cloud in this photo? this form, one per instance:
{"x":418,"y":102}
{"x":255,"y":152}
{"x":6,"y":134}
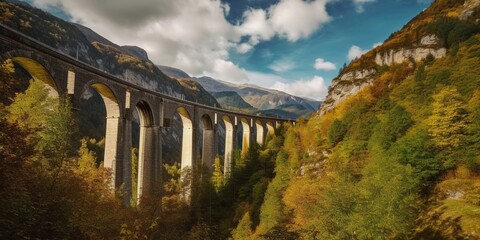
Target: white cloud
{"x":295,"y":19}
{"x":314,"y":88}
{"x":377,"y":44}
{"x":321,"y":64}
{"x":359,"y":4}
{"x":282,"y":65}
{"x":194,"y":35}
{"x":355,"y":52}
{"x":264,"y":79}
{"x":280,"y":20}
{"x":226,"y":70}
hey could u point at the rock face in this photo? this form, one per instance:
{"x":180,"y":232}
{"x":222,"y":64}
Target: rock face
{"x":397,"y":56}
{"x":349,"y":83}
{"x":346,"y":85}
{"x":469,"y":9}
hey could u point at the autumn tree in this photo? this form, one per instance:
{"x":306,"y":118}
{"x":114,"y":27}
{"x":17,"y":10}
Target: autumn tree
{"x":447,"y":122}
{"x":217,"y":176}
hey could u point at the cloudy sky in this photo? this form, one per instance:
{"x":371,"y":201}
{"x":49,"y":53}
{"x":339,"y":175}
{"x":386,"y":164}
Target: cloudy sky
{"x":296,"y":46}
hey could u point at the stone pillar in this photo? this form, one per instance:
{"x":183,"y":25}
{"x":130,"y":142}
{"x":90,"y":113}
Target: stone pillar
{"x":260,"y":132}
{"x":113,"y":144}
{"x":70,"y":82}
{"x":158,"y":162}
{"x":146,"y":155}
{"x":208,"y":147}
{"x":230,"y":137}
{"x":245,"y":136}
{"x":187,"y":160}
{"x":124,"y":152}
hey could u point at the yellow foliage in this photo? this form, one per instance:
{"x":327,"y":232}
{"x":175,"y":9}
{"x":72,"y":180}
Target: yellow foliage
{"x":452,"y":14}
{"x":300,"y":196}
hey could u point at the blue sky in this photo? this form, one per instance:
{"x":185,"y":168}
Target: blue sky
{"x":295,"y":46}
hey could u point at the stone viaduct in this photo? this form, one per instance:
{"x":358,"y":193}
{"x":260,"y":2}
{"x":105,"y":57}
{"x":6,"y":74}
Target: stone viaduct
{"x":66,"y":75}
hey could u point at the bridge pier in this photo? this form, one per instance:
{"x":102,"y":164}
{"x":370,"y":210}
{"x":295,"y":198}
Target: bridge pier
{"x":246,"y":135}
{"x":146,"y":159}
{"x":124,"y":156}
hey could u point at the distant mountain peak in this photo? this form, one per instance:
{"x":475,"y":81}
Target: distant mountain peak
{"x":93,"y":36}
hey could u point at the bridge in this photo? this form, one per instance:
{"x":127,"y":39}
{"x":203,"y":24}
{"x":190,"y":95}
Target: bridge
{"x":68,"y":76}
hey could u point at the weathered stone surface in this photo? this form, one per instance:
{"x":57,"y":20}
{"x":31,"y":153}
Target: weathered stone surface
{"x":428,"y":40}
{"x":397,"y":56}
{"x":468,"y":10}
{"x":347,"y":85}
{"x":350,"y":83}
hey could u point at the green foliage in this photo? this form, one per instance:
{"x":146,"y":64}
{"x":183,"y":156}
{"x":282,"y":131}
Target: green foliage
{"x":273,"y":209}
{"x":447,"y":122}
{"x":386,"y":205}
{"x":452,"y":31}
{"x":420,"y":74}
{"x":217,"y":176}
{"x":134,"y":200}
{"x":244,"y":228}
{"x":336,"y":132}
{"x":417,"y":150}
{"x":56,"y":145}
{"x":32,"y":108}
{"x":394,"y":125}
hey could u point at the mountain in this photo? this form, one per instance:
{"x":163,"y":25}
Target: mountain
{"x":258,"y":97}
{"x":416,"y":41}
{"x":231,"y":100}
{"x":289,"y":110}
{"x":173,"y":72}
{"x":126,"y":62}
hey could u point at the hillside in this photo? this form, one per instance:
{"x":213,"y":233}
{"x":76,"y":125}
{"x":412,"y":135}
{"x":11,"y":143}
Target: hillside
{"x":231,"y":100}
{"x":289,"y":110}
{"x":394,"y":152}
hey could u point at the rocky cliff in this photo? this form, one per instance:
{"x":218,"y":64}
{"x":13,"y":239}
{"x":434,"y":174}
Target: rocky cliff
{"x":427,"y":36}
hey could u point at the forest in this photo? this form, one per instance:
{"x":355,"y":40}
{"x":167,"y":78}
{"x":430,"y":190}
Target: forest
{"x":398,"y":160}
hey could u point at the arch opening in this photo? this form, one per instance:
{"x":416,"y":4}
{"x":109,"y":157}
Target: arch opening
{"x":208,"y":142}
{"x":38,"y":73}
{"x":99,"y":119}
{"x":186,"y":165}
{"x":143,"y":165}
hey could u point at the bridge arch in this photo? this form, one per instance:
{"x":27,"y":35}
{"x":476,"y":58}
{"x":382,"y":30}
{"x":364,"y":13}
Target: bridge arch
{"x":146,"y":149}
{"x":36,"y":66}
{"x":270,"y":130}
{"x":112,"y":126}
